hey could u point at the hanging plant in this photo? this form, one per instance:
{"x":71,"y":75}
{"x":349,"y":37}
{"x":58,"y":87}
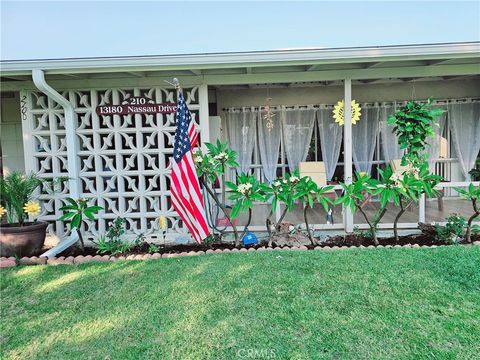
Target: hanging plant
{"x":339,"y":112}
{"x":413,"y":124}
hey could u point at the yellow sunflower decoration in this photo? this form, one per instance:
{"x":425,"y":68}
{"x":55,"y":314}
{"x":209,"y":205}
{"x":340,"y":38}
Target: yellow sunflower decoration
{"x":2,"y":211}
{"x":339,"y":114}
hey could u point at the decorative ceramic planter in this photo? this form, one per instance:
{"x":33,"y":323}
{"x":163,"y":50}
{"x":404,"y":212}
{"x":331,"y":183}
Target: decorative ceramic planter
{"x":26,"y":240}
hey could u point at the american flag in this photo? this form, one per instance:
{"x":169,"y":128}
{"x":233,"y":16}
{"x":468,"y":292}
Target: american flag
{"x":185,"y":189}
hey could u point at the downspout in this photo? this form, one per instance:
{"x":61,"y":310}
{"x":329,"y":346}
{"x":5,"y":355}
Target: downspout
{"x":38,"y":77}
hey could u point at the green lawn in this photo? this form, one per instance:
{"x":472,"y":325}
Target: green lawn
{"x":362,"y":304}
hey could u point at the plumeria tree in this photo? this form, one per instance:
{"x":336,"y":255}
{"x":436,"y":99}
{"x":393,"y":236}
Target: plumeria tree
{"x":245,"y":192}
{"x":209,"y":166}
{"x":413,"y":124}
{"x":359,"y":191}
{"x":308,"y":192}
{"x":75,"y":210}
{"x":407,"y":189}
{"x":472,"y":193}
{"x":282,"y":191}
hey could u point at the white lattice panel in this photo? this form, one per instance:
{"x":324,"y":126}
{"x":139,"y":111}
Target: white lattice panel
{"x":123,"y":159}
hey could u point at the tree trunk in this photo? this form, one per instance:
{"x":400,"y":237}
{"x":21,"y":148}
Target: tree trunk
{"x":373,"y":225}
{"x":277,"y":226}
{"x":247,"y":224}
{"x":222,"y":207}
{"x":80,"y":237}
{"x":268,"y":224}
{"x":468,"y":234}
{"x":224,"y":201}
{"x":397,"y":218}
{"x":305,"y":208}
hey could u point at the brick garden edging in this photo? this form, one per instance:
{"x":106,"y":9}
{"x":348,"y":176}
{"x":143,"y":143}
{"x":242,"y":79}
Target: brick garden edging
{"x":80,"y":259}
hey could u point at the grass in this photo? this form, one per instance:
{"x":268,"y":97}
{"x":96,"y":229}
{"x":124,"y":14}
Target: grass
{"x":362,"y":304}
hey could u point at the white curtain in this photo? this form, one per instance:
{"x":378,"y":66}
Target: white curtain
{"x":391,"y":148}
{"x":269,"y":144}
{"x":241,"y":128}
{"x":297,"y":132}
{"x":434,"y":142}
{"x":464,"y":121}
{"x":330,"y":140}
{"x":364,"y":138}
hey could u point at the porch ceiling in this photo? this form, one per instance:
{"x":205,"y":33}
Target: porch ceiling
{"x":281,"y":67}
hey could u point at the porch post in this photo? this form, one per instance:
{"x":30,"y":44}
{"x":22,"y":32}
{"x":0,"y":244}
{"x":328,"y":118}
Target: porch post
{"x":421,"y":208}
{"x":347,"y":148}
{"x":203,"y":114}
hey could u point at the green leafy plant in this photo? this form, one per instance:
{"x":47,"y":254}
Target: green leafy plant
{"x":413,"y":124}
{"x":112,"y":242}
{"x":453,"y":230}
{"x":282,"y":191}
{"x":472,"y":193}
{"x":209,"y":240}
{"x":152,"y":248}
{"x":407,"y":188}
{"x":245,"y":192}
{"x":209,"y":166}
{"x":308,"y":193}
{"x":117,"y":247}
{"x":75,"y":210}
{"x":16,"y":191}
{"x":356,"y":193}
{"x":475,"y":172}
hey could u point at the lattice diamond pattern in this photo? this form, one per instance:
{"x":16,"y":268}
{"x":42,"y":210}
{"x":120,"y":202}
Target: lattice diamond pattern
{"x":123,"y":159}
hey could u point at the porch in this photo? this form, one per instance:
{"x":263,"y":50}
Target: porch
{"x":120,"y":162}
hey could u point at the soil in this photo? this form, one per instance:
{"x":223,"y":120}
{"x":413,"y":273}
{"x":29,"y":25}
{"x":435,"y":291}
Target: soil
{"x":347,"y":240}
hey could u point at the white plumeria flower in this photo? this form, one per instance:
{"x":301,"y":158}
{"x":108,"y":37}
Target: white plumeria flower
{"x":294,"y":179}
{"x":198,"y":159}
{"x":222,"y":156}
{"x":276,"y":183}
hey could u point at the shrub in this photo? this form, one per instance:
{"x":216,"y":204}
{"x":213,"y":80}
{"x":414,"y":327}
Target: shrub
{"x":112,"y":242}
{"x":281,"y":191}
{"x":308,"y":193}
{"x":209,"y":166}
{"x":453,"y":230}
{"x":152,"y":248}
{"x":74,"y":211}
{"x":245,"y":192}
{"x":407,"y":188}
{"x":355,"y":194}
{"x":472,"y":194}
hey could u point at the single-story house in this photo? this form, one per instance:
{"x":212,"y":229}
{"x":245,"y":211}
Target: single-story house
{"x":107,"y":124}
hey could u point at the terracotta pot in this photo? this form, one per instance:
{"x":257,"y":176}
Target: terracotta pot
{"x":26,"y":240}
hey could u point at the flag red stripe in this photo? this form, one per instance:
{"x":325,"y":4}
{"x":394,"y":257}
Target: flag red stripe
{"x":184,"y":215}
{"x":185,"y":190}
{"x":184,"y":174}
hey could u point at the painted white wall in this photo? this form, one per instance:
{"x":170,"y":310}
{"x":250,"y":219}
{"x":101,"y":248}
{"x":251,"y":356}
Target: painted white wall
{"x":11,"y":134}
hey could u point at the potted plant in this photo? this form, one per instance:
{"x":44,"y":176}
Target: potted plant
{"x":19,"y":236}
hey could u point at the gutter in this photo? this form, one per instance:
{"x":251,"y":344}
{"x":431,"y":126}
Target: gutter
{"x":243,"y":59}
{"x":71,"y":141}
